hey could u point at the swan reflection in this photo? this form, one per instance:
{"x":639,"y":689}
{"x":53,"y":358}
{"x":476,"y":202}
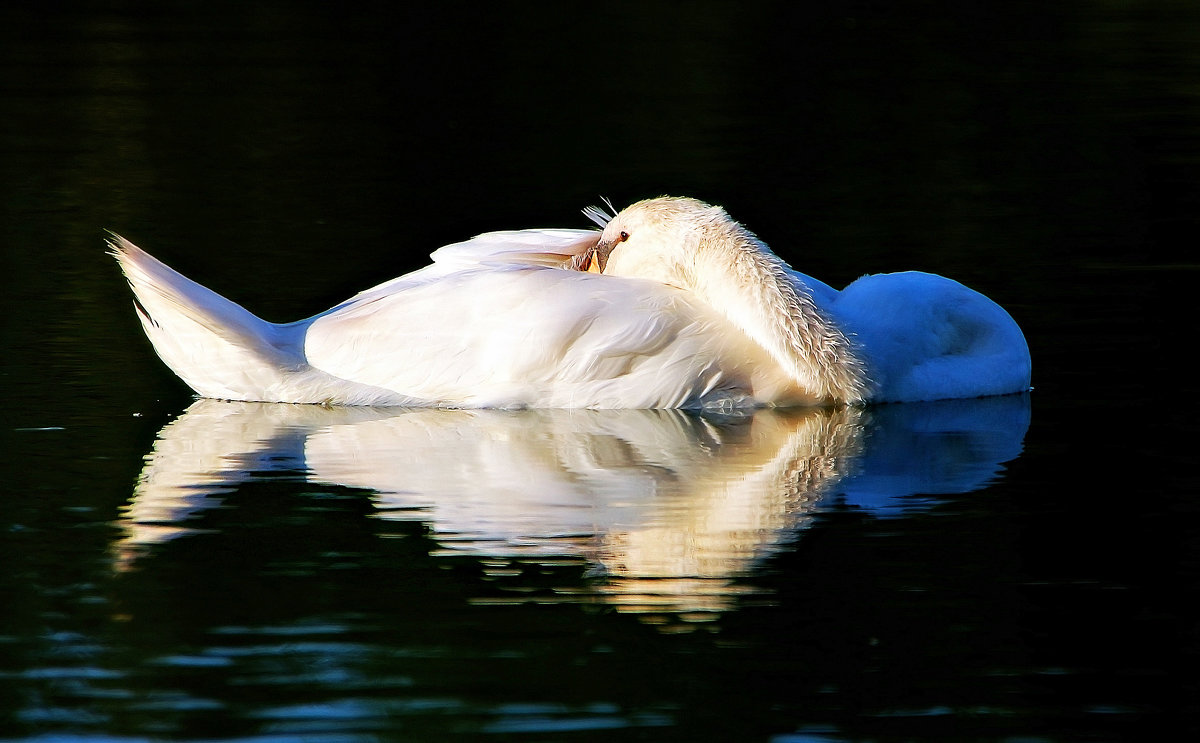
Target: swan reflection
{"x":668,"y":509}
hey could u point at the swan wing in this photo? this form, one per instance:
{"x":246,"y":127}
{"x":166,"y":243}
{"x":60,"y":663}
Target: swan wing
{"x":516,"y":335}
{"x":556,"y":248}
{"x":542,"y":247}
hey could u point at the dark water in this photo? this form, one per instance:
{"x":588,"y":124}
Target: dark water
{"x":1023,"y":569}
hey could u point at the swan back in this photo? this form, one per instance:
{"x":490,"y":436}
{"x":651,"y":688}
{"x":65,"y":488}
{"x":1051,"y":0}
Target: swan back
{"x":928,"y":337}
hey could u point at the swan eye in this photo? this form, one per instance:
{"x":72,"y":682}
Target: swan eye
{"x":624,"y":235}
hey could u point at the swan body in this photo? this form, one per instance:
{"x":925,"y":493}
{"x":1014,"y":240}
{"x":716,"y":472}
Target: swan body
{"x":672,"y":305}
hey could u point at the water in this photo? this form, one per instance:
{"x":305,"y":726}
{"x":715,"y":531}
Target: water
{"x":1015,"y":569}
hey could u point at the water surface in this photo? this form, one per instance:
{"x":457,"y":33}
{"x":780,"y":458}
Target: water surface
{"x":1022,"y":568}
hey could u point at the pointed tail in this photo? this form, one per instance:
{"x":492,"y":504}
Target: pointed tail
{"x":217,"y":347}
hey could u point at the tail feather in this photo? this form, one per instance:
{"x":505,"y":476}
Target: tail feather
{"x":216,"y":346}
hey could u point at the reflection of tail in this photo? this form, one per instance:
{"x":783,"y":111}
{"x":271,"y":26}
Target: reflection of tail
{"x":220,"y":349}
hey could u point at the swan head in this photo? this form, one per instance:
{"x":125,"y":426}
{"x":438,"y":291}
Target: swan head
{"x":699,"y":248}
{"x":660,"y":239}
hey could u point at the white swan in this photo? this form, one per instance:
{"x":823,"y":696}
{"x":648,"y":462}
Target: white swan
{"x":673,"y":304}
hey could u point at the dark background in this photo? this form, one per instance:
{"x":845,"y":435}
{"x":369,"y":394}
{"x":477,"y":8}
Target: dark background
{"x":290,"y":155}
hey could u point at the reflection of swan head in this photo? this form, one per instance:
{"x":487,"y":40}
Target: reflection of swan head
{"x":720,"y":526}
{"x":700,"y":248}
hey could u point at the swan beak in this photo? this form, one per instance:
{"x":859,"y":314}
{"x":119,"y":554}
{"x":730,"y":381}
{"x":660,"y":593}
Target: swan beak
{"x":600,"y":253}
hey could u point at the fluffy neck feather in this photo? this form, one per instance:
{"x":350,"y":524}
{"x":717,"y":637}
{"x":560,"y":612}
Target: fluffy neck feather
{"x":741,"y":278}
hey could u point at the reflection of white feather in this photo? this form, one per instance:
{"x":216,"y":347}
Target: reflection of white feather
{"x":534,"y":482}
{"x":660,"y":502}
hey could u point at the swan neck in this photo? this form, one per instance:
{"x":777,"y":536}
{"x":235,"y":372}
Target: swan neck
{"x":741,"y":278}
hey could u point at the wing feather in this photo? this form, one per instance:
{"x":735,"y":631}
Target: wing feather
{"x":529,"y":336}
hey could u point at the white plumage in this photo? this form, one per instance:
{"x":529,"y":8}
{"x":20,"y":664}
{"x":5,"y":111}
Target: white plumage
{"x":690,"y":310}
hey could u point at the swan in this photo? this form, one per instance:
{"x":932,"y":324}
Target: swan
{"x":671,"y":304}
